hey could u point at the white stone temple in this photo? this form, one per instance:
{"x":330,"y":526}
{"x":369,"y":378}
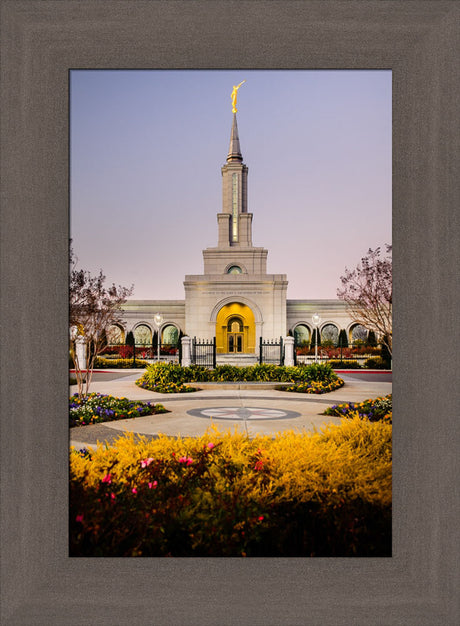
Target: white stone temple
{"x":235,"y":300}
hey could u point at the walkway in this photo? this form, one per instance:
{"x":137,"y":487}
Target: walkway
{"x":252,"y":411}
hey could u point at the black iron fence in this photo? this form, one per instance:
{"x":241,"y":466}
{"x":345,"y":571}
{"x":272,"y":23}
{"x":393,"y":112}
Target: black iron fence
{"x":204,"y":352}
{"x":271,"y":351}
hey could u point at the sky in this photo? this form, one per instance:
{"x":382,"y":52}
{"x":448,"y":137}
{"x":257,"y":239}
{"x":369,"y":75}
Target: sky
{"x":147,"y":147}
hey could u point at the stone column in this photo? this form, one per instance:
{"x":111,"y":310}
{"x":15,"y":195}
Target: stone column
{"x":289,"y":351}
{"x":80,"y":350}
{"x":186,"y":351}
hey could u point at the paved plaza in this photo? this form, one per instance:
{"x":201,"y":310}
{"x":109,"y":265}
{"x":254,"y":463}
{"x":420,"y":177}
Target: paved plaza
{"x":249,"y":408}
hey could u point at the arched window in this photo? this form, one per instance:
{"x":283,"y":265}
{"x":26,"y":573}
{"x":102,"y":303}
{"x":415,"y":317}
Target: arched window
{"x":170,"y":335}
{"x":234,"y":269}
{"x":142,"y":335}
{"x":358,"y":333}
{"x":235,"y":325}
{"x":329,"y":334}
{"x":301,"y":335}
{"x":115,"y":335}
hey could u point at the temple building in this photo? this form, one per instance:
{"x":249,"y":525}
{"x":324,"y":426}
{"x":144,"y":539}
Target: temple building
{"x":235,"y":300}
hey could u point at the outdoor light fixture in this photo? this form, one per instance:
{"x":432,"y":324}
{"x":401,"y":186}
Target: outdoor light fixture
{"x":158,"y":318}
{"x":316,"y":321}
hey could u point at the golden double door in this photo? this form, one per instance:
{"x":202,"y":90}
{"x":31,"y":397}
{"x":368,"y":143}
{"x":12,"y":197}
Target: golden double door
{"x":235,"y":335}
{"x":235,"y":329}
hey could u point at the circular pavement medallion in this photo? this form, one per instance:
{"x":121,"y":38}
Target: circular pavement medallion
{"x":242,"y":413}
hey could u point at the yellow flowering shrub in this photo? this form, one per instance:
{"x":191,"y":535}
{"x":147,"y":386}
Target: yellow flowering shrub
{"x":326,"y":493}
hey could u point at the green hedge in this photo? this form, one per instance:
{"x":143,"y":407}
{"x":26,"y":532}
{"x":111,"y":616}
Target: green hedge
{"x":160,"y":375}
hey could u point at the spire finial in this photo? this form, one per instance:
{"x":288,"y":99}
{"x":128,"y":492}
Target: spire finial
{"x":234,"y":151}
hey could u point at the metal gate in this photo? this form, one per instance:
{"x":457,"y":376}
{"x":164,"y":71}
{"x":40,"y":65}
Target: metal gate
{"x":204,"y":352}
{"x":271,"y":351}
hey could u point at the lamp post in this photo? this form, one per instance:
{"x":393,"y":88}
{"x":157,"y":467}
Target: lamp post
{"x":316,"y":321}
{"x":158,"y":318}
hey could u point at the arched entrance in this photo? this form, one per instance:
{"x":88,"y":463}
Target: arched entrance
{"x":235,"y":329}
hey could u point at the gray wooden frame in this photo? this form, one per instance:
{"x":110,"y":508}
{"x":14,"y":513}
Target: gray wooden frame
{"x":41,"y":40}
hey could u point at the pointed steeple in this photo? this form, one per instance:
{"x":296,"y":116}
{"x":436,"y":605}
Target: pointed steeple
{"x":234,"y":151}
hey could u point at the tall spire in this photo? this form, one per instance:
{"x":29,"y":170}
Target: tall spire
{"x":234,"y":151}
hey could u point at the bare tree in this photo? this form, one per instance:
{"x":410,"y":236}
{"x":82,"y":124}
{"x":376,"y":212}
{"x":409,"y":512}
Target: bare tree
{"x":93,"y":308}
{"x":368,"y":292}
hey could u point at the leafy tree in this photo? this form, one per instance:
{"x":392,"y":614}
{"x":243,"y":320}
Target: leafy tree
{"x":368,"y":292}
{"x":93,"y":308}
{"x":130,"y":338}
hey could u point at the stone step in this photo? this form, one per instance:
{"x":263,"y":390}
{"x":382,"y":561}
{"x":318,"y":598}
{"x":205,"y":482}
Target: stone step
{"x":240,"y":360}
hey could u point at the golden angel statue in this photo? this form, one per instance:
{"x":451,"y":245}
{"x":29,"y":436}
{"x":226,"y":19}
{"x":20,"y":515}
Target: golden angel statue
{"x":234,"y":95}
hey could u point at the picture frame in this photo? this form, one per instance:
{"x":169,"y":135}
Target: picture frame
{"x":41,"y":42}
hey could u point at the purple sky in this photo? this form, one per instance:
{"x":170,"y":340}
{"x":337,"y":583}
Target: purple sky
{"x":146,"y":151}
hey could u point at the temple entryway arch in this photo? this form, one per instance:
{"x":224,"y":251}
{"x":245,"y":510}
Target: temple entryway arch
{"x":235,"y":329}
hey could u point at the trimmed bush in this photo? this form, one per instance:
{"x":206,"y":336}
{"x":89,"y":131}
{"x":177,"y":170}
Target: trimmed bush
{"x":371,"y":339}
{"x":375,"y":363}
{"x":344,"y":364}
{"x":343,"y":339}
{"x":97,"y":407}
{"x":161,"y":374}
{"x":314,"y":494}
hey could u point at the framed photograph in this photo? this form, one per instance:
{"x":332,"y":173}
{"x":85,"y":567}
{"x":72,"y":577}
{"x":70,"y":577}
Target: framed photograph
{"x":41,"y":43}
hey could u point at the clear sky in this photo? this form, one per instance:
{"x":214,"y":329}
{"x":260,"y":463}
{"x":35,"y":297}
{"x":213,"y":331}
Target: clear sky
{"x":145,"y":182}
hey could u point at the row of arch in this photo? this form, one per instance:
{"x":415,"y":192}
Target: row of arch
{"x":143,"y":334}
{"x":328,"y":332}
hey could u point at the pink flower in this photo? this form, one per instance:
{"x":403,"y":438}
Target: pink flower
{"x":186,"y":459}
{"x":211,"y":445}
{"x":79,"y":518}
{"x":259,"y":465}
{"x":146,"y":462}
{"x":154,"y":484}
{"x":134,"y":490}
{"x":107,"y":479}
{"x":112,"y":495}
{"x":260,"y":518}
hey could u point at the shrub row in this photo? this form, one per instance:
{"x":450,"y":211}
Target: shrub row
{"x":162,"y":374}
{"x":310,"y":494}
{"x":97,"y":407}
{"x":376,"y":363}
{"x":344,"y":365}
{"x":111,"y":363}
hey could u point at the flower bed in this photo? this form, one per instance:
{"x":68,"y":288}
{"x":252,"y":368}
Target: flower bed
{"x":315,"y":386}
{"x":97,"y":407}
{"x":310,"y":494}
{"x":372,"y":410}
{"x":164,"y":387}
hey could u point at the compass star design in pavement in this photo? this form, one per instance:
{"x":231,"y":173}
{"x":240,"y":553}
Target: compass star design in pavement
{"x":243,"y":413}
